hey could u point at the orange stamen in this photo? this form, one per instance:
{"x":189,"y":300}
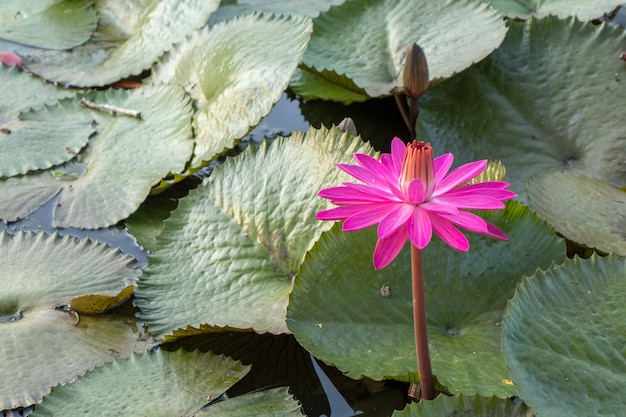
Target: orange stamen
{"x":418,"y":163}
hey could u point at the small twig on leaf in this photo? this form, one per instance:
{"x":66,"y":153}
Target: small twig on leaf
{"x":112,"y":110}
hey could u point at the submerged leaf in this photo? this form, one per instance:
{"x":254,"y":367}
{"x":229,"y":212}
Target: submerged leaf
{"x":153,"y":384}
{"x":49,"y":24}
{"x":95,"y":303}
{"x":347,"y":314}
{"x":585,"y":210}
{"x":235,"y":72}
{"x":228,"y":254}
{"x":45,"y":344}
{"x":130,"y":37}
{"x":564,"y":337}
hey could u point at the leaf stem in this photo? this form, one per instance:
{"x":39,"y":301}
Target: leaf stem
{"x":419,"y":320}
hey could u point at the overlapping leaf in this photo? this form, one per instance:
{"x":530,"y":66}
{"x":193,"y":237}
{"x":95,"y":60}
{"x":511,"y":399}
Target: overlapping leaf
{"x":50,"y":24}
{"x":361,"y":321}
{"x":153,"y":384}
{"x":228,"y":254}
{"x":235,"y":72}
{"x":585,"y":210}
{"x":583,"y":9}
{"x":367,"y":40}
{"x":311,"y":8}
{"x":564,"y":337}
{"x":130,"y":37}
{"x":44,"y":345}
{"x":545,"y":99}
{"x":135,"y":152}
{"x":461,"y":405}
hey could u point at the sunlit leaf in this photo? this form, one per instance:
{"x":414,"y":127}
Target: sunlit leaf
{"x":462,"y":405}
{"x":50,"y":24}
{"x":367,"y":40}
{"x":537,"y":105}
{"x":45,"y":344}
{"x":311,"y":8}
{"x":583,"y":9}
{"x":361,"y":320}
{"x":235,"y":72}
{"x":268,"y":403}
{"x":153,"y":384}
{"x":228,"y":254}
{"x":130,"y":37}
{"x":564,"y":337}
{"x":135,"y":152}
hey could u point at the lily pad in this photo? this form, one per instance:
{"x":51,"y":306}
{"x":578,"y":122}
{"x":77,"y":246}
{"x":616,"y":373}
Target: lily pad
{"x":583,"y":9}
{"x":130,"y":38}
{"x":311,"y":8}
{"x":366,"y":41}
{"x":50,"y":24}
{"x":41,"y":139}
{"x":235,"y":72}
{"x":271,"y":403}
{"x":22,"y":92}
{"x":535,"y":105}
{"x":564,"y":337}
{"x":361,"y":320}
{"x":584,"y":210}
{"x":44,"y":343}
{"x":228,"y":254}
{"x":153,"y":384}
{"x":138,"y":152}
{"x":462,"y":405}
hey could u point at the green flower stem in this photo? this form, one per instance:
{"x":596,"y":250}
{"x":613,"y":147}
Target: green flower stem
{"x":421,"y":332}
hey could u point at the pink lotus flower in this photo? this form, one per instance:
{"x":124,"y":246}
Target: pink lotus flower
{"x":10,"y":59}
{"x":410,"y":195}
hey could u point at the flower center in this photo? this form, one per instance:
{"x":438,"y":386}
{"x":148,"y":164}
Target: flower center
{"x":418,"y":163}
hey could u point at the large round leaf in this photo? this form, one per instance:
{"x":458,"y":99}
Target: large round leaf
{"x":43,"y":343}
{"x":50,"y":24}
{"x":235,"y":72}
{"x":564,"y":337}
{"x":41,"y":139}
{"x":311,"y":8}
{"x":361,"y":320}
{"x":546,"y":99}
{"x":153,"y":384}
{"x":136,"y":152}
{"x":583,"y":209}
{"x":583,"y":9}
{"x":130,"y":37}
{"x":367,"y":40}
{"x":228,"y":254}
{"x":461,"y":405}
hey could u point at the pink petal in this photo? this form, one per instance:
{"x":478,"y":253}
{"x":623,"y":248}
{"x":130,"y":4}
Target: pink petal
{"x":420,"y":228}
{"x":398,"y":151}
{"x":494,"y":232}
{"x":387,"y":160}
{"x":436,"y":207}
{"x":480,"y":189}
{"x":416,"y":191}
{"x":368,"y":216}
{"x":343,"y":212}
{"x":375,"y":167}
{"x":448,"y":233}
{"x":468,"y":221}
{"x":441,"y":165}
{"x":349,"y":195}
{"x":460,"y":175}
{"x":388,"y":248}
{"x":10,"y":59}
{"x":474,"y":202}
{"x":394,"y":219}
{"x":364,"y":175}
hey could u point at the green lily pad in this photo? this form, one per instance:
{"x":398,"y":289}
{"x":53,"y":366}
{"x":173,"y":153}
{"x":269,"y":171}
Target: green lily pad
{"x":462,"y":405}
{"x":536,"y":105}
{"x":361,"y":320}
{"x":564,"y":336}
{"x":41,"y":139}
{"x":228,"y":254}
{"x":271,"y":403}
{"x":584,"y":210}
{"x":45,"y":344}
{"x":129,"y":39}
{"x":311,"y":8}
{"x":50,"y":24}
{"x":367,"y":41}
{"x":235,"y":72}
{"x":583,"y":9}
{"x":153,"y":384}
{"x":135,"y":152}
{"x":22,"y":92}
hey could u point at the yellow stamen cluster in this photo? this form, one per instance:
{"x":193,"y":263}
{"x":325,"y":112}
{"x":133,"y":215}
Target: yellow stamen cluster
{"x":418,"y":163}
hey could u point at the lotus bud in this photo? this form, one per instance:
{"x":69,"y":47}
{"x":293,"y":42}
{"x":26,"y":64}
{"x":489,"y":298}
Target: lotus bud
{"x":347,"y":125}
{"x":415,"y":78}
